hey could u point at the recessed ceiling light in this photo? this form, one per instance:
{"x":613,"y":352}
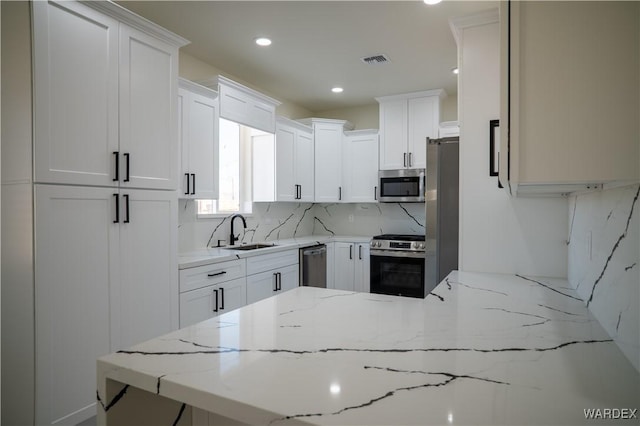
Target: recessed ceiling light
{"x":263,"y":41}
{"x":431,"y":2}
{"x":337,"y":90}
{"x":455,"y":70}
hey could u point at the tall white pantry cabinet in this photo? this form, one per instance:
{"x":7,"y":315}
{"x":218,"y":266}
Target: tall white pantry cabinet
{"x":105,"y":174}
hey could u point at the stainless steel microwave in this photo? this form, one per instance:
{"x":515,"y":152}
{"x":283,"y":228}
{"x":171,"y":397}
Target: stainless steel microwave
{"x":401,"y":186}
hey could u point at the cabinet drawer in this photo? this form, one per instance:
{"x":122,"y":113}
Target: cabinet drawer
{"x":207,"y":302}
{"x":202,"y":276}
{"x":267,"y":262}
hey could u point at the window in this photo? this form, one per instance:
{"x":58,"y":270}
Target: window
{"x":234,"y":178}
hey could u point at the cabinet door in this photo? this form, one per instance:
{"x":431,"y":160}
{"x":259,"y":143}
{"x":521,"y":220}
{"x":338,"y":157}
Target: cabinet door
{"x":148,"y":108}
{"x":360,"y":168}
{"x":344,"y":266}
{"x":304,"y":166}
{"x":285,"y":163}
{"x":232,"y":295}
{"x":362,"y":269}
{"x":423,"y":122}
{"x":330,"y":264}
{"x":328,"y":162}
{"x":75,"y":67}
{"x":76,"y":273}
{"x":203,"y":147}
{"x":262,"y":285}
{"x":197,"y":305}
{"x":289,"y":278}
{"x":184,"y":186}
{"x":149,"y":268}
{"x":393,"y":135}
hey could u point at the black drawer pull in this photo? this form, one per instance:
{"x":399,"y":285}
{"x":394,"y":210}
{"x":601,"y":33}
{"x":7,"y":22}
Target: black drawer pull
{"x":216,"y":274}
{"x":215,"y":296}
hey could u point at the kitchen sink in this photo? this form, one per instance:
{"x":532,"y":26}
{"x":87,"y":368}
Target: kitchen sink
{"x":249,"y":246}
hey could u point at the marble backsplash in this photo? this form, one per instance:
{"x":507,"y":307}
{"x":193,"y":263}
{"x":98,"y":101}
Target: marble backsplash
{"x":272,"y":221}
{"x":604,"y":261}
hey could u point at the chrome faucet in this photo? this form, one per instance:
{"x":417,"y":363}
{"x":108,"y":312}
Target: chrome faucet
{"x":232,"y":237}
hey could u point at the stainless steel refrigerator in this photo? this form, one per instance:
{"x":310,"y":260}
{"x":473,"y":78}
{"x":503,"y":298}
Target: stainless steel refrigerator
{"x":441,"y":203}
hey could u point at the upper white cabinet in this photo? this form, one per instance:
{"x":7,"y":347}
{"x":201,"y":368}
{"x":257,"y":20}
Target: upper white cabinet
{"x":328,"y":138}
{"x":285,"y":169}
{"x":105,"y":87}
{"x":246,"y":106}
{"x":198,"y":131}
{"x":360,"y":166}
{"x":405,"y":122}
{"x":569,"y":95}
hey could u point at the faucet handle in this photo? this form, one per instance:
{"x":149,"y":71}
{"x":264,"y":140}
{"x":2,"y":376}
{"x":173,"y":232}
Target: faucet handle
{"x":220,"y":241}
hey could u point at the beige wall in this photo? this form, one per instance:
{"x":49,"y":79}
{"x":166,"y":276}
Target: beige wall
{"x":196,"y":70}
{"x":17,"y":231}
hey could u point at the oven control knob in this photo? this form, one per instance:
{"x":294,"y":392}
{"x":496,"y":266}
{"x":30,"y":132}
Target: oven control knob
{"x":414,"y":245}
{"x":421,"y":245}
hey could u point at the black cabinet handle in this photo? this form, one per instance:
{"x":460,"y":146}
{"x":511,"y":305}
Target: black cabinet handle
{"x":222,"y":298}
{"x":339,"y":193}
{"x":126,"y":162}
{"x":117,"y":166}
{"x":193,"y":189}
{"x":117,"y":197}
{"x":279,"y":281}
{"x":275,"y":281}
{"x":299,"y":192}
{"x":215,"y":296}
{"x":405,"y":160}
{"x":410,"y":159}
{"x":216,"y":274}
{"x":188,"y":190}
{"x":351,"y":252}
{"x":360,"y":252}
{"x":126,"y":208}
{"x":375,"y":193}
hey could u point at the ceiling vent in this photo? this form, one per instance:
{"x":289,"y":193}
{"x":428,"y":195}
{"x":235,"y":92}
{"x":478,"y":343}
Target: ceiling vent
{"x":375,"y":59}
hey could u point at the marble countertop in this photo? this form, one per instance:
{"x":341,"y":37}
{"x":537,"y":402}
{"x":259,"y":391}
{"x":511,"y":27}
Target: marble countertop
{"x":208,"y":256}
{"x":480,"y":349}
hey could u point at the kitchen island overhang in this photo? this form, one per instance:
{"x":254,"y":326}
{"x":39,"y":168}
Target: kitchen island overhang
{"x":480,"y":349}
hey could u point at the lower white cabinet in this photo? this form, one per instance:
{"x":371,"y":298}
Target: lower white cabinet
{"x":269,"y":283}
{"x":207,"y":302}
{"x":211,"y":290}
{"x":106,"y":278}
{"x":351,"y":266}
{"x":271,"y":274}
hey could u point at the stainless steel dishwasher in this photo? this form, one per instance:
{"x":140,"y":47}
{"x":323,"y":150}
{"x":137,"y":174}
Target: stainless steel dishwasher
{"x":313,"y":266}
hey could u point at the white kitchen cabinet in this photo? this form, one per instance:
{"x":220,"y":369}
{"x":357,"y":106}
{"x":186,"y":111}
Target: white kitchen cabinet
{"x":269,"y":283}
{"x":563,"y":130}
{"x":328,"y":139}
{"x":198,"y":130}
{"x":360,"y":166}
{"x":351,"y":266}
{"x":210,"y":301}
{"x":405,"y":123}
{"x":285,"y":169}
{"x":105,"y":97}
{"x":271,"y":273}
{"x":199,"y":301}
{"x":105,"y":90}
{"x":331,"y":247}
{"x":243,"y":105}
{"x":105,"y":279}
{"x":148,"y":285}
{"x":75,"y":60}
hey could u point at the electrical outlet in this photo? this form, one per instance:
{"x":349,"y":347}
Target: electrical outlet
{"x":351,"y":218}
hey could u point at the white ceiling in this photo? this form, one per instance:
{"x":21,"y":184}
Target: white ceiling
{"x":318,"y":44}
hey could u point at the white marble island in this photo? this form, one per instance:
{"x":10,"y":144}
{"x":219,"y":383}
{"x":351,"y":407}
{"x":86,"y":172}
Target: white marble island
{"x":481,"y":349}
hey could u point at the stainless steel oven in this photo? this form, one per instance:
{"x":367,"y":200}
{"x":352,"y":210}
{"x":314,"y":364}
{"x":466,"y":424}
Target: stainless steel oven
{"x":398,"y":265}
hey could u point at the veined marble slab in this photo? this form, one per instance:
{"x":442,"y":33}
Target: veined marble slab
{"x":481,"y":349}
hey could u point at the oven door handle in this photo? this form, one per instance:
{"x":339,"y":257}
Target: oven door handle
{"x":397,"y":253}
